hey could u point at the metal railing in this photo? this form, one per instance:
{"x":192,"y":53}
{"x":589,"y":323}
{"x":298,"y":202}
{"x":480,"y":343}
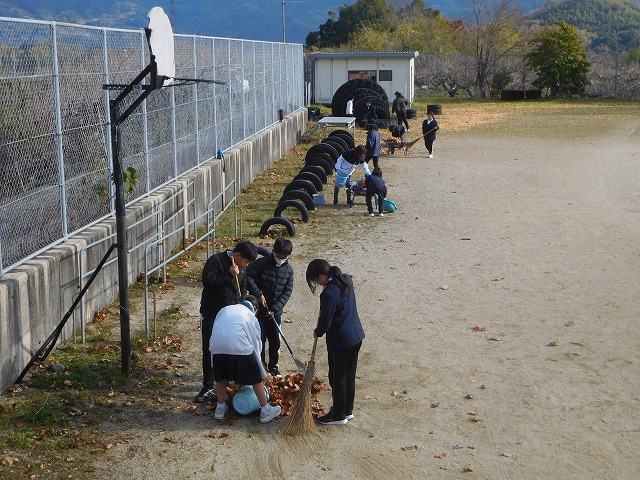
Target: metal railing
{"x":54,"y":127}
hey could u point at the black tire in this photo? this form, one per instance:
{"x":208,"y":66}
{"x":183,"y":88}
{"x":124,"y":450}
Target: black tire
{"x":436,"y":109}
{"x":312,"y":178}
{"x":348,"y":139}
{"x":336,"y":143}
{"x":360,"y":108}
{"x":305,"y":185}
{"x":337,"y":138}
{"x":320,"y":161}
{"x":340,"y":131}
{"x":284,"y":221}
{"x":264,"y":251}
{"x":411,"y":113}
{"x":301,"y":195}
{"x":322,"y":148}
{"x":297,"y":204}
{"x":317,"y":170}
{"x":344,"y":91}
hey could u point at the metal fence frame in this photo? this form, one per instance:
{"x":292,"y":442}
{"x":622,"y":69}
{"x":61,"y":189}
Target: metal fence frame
{"x":55,"y":145}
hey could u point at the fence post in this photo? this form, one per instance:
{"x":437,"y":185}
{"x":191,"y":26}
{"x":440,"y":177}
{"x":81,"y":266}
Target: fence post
{"x":58,"y":134}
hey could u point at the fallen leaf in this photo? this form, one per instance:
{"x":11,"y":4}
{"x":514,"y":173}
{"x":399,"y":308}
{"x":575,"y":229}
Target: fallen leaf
{"x":410,"y":447}
{"x":465,"y":238}
{"x":555,"y":343}
{"x":469,"y":396}
{"x":367,"y":397}
{"x":508,"y":455}
{"x":444,"y":287}
{"x":479,"y":329}
{"x":68,"y":383}
{"x":467,"y":469}
{"x":499,"y":278}
{"x":440,"y":455}
{"x":484,"y":386}
{"x":402,"y":240}
{"x":170,"y":440}
{"x":10,"y":461}
{"x":495,"y":339}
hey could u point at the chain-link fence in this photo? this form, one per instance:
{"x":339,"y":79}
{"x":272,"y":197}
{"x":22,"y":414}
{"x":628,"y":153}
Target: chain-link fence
{"x":55,"y":167}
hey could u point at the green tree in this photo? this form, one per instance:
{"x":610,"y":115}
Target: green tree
{"x":559,"y":60}
{"x":376,"y":14}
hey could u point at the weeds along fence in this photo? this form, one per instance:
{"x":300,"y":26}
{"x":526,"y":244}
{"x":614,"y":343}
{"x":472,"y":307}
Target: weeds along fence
{"x":54,"y":127}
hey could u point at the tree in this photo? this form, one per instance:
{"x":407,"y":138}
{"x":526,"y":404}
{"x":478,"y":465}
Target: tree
{"x":496,"y":32}
{"x":376,"y":14}
{"x":559,"y":60}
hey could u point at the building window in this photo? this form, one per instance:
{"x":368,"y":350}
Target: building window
{"x":366,"y":74}
{"x":386,"y":75}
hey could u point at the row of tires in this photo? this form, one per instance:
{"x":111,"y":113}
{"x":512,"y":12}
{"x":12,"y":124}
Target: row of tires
{"x":298,"y":194}
{"x":362,"y":91}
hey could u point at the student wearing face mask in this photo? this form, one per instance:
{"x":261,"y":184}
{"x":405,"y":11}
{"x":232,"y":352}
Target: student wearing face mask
{"x":270,"y":279}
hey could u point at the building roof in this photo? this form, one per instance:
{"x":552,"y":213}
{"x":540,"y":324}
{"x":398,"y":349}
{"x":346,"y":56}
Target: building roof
{"x":364,"y":54}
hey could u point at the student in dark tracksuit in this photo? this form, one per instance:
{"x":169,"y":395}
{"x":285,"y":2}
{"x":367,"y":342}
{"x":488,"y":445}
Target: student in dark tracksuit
{"x":339,"y":320}
{"x":372,"y":145}
{"x":429,"y":129}
{"x":220,"y":290}
{"x":270,"y":279}
{"x":375,"y":186}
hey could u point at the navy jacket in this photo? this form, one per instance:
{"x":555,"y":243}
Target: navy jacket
{"x":339,"y":317}
{"x":264,"y":277}
{"x":220,"y":289}
{"x":373,"y":143}
{"x":375,"y":184}
{"x":426,"y":127}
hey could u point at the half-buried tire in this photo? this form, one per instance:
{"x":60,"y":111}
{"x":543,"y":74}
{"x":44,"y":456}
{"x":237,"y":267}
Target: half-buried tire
{"x":322,"y":148}
{"x":312,"y":178}
{"x":300,"y":184}
{"x":323,"y":161}
{"x":301,"y":195}
{"x":264,"y":251}
{"x":297,"y":204}
{"x":283,"y":221}
{"x":317,"y":170}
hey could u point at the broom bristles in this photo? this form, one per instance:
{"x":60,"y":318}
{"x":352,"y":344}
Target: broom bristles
{"x":301,"y":419}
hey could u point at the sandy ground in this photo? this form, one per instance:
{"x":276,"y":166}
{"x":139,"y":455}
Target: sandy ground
{"x":501,"y":310}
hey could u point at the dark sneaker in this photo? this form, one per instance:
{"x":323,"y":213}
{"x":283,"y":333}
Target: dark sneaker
{"x":275,"y":372}
{"x":204,"y":395}
{"x":329,"y":420}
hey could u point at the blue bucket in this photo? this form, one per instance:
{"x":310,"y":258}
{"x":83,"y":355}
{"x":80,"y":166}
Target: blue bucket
{"x":245,"y":400}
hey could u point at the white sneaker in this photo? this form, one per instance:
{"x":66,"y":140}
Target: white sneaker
{"x":408,"y":130}
{"x":381,"y":214}
{"x":370,"y":215}
{"x":221,"y":410}
{"x":430,"y":156}
{"x":271,"y":413}
{"x":350,"y":417}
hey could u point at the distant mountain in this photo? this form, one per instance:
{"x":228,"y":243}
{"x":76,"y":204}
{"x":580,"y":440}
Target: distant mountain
{"x":248,"y":19}
{"x":614,"y":22}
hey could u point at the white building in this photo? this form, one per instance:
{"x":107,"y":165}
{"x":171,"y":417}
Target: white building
{"x":394,"y":71}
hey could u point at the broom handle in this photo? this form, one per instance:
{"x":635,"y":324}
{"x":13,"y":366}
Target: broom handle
{"x":233,"y":262}
{"x":313,"y":350}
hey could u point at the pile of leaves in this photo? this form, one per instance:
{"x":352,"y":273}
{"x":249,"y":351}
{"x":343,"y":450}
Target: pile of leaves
{"x":283,"y":392}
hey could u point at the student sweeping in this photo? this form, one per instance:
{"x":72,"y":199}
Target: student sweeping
{"x":339,"y":320}
{"x":270,"y":278}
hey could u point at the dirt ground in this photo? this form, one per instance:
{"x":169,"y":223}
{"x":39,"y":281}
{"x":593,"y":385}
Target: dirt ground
{"x":501,"y":310}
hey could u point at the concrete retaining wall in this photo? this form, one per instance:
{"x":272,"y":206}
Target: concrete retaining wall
{"x":35,"y":296}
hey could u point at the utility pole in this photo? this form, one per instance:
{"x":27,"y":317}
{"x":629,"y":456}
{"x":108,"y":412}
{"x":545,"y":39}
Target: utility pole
{"x":284,"y":30}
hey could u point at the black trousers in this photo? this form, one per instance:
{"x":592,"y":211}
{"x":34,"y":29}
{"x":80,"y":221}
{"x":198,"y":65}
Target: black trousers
{"x":375,"y":159}
{"x":343,"y":364}
{"x":402,"y":118}
{"x":206,"y":326}
{"x":269,"y":332}
{"x":380,"y":201}
{"x":429,"y":144}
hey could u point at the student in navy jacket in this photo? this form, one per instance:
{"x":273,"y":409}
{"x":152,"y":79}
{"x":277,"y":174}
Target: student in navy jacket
{"x":429,"y":129}
{"x":376,"y":186}
{"x":372,"y":145}
{"x":270,"y":279}
{"x":339,"y":320}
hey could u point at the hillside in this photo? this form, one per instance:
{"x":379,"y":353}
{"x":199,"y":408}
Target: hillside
{"x":613,"y":25}
{"x":249,"y":19}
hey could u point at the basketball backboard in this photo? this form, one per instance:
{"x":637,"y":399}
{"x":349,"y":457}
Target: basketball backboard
{"x":160,"y":37}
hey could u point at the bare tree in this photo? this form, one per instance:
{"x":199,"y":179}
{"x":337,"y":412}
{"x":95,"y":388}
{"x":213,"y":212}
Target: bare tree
{"x":496,"y":27}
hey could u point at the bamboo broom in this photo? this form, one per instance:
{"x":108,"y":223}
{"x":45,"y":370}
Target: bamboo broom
{"x":301,"y":420}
